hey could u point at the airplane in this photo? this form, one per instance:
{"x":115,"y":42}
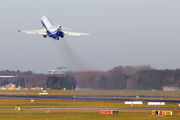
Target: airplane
{"x":51,"y":31}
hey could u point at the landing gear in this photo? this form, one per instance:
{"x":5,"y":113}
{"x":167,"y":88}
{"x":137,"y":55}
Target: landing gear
{"x":44,"y":36}
{"x":58,"y":38}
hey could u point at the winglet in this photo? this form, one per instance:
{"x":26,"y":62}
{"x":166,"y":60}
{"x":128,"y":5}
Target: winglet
{"x":19,"y":30}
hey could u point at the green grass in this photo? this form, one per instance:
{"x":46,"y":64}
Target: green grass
{"x":26,"y":103}
{"x":84,"y":114}
{"x":94,"y":112}
{"x":85,"y":118}
{"x":96,"y":92}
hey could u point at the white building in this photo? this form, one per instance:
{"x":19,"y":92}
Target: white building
{"x":60,"y":70}
{"x":170,"y":88}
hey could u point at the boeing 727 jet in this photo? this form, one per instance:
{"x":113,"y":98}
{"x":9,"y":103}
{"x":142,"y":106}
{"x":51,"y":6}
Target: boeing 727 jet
{"x":52,"y":31}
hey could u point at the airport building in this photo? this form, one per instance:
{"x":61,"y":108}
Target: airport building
{"x":170,"y":88}
{"x":60,"y":70}
{"x":10,"y":86}
{"x":37,"y":88}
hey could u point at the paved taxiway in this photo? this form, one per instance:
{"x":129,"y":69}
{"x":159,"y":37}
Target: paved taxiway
{"x":144,"y":99}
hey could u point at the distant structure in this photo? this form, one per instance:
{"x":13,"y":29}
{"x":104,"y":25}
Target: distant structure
{"x":37,"y":88}
{"x":10,"y":86}
{"x":19,"y":88}
{"x":7,"y":76}
{"x":170,"y":88}
{"x":60,"y":70}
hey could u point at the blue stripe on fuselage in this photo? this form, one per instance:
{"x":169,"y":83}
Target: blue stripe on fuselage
{"x":43,"y":24}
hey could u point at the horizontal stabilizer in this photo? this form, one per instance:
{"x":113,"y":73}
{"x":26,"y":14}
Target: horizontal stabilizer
{"x":74,"y":34}
{"x":30,"y":33}
{"x":66,"y":28}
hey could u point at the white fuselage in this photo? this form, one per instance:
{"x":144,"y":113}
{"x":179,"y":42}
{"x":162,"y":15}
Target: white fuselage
{"x":51,"y":30}
{"x":46,"y":22}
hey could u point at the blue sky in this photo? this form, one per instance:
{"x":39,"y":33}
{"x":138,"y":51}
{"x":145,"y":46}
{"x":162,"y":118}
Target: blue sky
{"x":123,"y":32}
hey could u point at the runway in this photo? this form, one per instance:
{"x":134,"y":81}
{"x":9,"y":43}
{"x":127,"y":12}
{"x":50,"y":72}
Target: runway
{"x":144,"y":99}
{"x":131,"y":108}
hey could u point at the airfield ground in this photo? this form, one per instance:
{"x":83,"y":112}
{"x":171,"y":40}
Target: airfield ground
{"x":149,"y":93}
{"x":129,"y":112}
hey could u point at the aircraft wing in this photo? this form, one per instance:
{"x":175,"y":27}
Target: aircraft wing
{"x":40,"y":31}
{"x":74,"y":33}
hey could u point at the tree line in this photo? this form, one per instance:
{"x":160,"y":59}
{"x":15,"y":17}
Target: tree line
{"x":127,"y":78}
{"x":68,"y":82}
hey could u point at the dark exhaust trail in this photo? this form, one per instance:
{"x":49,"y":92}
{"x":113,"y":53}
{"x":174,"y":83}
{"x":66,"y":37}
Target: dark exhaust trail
{"x":59,"y":50}
{"x":69,"y":56}
{"x":75,"y":59}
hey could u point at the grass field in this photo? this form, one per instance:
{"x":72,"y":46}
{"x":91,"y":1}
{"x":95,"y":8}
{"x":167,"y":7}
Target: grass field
{"x":26,"y":103}
{"x":96,"y":92}
{"x":81,"y":114}
{"x":88,"y":118}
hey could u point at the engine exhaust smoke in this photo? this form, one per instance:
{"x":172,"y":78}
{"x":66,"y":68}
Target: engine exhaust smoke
{"x":69,"y":56}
